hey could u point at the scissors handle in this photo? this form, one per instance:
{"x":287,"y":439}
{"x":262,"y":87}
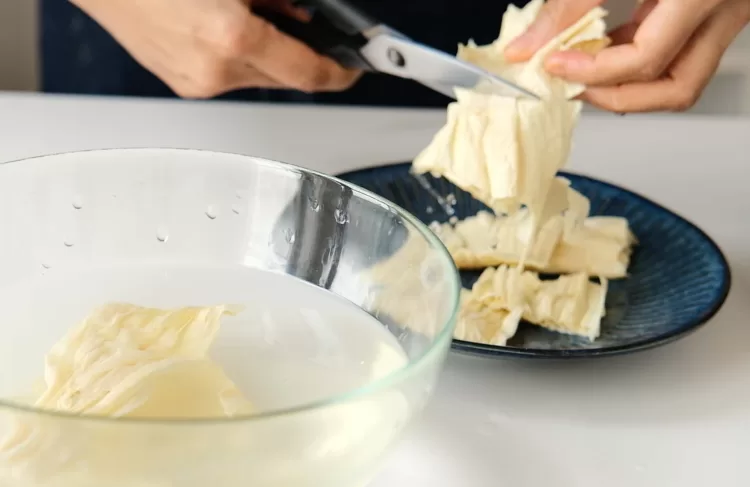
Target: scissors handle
{"x":325,"y":37}
{"x":341,"y":14}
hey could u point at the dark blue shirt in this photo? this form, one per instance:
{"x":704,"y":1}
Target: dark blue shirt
{"x":78,"y":56}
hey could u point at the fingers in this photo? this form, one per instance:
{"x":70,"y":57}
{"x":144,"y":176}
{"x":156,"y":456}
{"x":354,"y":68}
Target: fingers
{"x":690,"y":73}
{"x":213,"y":46}
{"x":245,"y":39}
{"x":554,"y":17}
{"x":623,"y":34}
{"x":287,"y":60}
{"x":214,"y":82}
{"x":655,"y":44}
{"x":294,"y":12}
{"x":243,"y":75}
{"x":285,"y":7}
{"x":642,"y":10}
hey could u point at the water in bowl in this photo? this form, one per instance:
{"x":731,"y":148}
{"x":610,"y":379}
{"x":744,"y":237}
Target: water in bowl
{"x":292,"y":345}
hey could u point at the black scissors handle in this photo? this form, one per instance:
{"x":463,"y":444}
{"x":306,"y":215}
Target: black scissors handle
{"x":336,"y":30}
{"x":341,"y":14}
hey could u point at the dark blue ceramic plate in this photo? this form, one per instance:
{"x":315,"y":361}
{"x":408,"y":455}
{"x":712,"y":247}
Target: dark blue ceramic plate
{"x":678,"y":276}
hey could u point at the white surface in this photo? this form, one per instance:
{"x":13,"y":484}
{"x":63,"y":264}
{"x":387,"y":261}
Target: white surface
{"x":675,"y":416}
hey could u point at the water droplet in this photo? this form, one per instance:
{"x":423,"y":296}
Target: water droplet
{"x":453,"y":220}
{"x":429,"y":210}
{"x":211,"y":212}
{"x":314,"y":204}
{"x":162,"y":234}
{"x":451,"y":199}
{"x":341,"y":216}
{"x":289,"y":236}
{"x":236,"y":209}
{"x":45,"y":266}
{"x":77,"y":203}
{"x":68,"y":243}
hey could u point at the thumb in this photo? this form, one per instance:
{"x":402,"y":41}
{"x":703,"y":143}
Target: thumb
{"x":554,"y":17}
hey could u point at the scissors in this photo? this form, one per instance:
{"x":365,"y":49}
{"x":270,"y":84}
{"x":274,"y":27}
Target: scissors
{"x":353,"y":39}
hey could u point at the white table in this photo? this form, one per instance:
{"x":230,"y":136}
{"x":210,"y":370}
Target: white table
{"x":675,"y":416}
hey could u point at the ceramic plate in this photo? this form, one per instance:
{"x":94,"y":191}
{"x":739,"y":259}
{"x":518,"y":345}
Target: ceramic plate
{"x":678,"y":276}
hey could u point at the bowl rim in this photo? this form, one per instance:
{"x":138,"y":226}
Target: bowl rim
{"x":685,"y":329}
{"x":439,"y":344}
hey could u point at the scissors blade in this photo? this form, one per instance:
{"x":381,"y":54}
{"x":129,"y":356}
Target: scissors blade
{"x":392,"y":53}
{"x":446,"y":90}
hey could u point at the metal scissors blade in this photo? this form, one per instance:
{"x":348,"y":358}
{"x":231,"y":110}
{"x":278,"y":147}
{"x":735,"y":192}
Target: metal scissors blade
{"x":390,"y":52}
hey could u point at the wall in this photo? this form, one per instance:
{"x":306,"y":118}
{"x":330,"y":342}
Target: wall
{"x":729,"y":92}
{"x":18,"y":59}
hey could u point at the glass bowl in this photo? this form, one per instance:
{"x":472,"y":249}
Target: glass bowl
{"x":173,"y":228}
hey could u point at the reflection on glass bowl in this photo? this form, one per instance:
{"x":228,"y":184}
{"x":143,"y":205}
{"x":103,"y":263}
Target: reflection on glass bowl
{"x":347,"y":309}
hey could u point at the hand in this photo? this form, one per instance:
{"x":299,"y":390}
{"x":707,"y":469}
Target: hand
{"x":202,"y":48}
{"x":661,"y":60}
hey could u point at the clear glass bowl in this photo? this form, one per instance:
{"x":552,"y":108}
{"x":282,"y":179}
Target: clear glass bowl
{"x":171,"y":228}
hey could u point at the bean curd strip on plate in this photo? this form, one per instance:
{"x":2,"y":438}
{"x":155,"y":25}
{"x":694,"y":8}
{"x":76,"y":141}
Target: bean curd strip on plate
{"x":506,"y":152}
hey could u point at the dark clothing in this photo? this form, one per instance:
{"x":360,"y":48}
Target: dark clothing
{"x":78,"y":56}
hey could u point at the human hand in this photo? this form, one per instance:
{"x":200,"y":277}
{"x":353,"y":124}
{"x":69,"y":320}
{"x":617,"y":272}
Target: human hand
{"x":202,"y":48}
{"x":661,"y":60}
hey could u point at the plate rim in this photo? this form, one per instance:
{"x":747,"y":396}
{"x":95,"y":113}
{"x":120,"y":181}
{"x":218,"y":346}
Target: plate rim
{"x":680,"y":332}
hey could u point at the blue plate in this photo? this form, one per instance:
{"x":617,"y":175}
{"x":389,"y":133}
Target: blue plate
{"x":678,"y":280}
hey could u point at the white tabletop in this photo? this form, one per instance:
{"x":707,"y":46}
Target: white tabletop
{"x":675,"y":416}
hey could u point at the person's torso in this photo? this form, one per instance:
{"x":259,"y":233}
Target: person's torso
{"x":80,"y":57}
